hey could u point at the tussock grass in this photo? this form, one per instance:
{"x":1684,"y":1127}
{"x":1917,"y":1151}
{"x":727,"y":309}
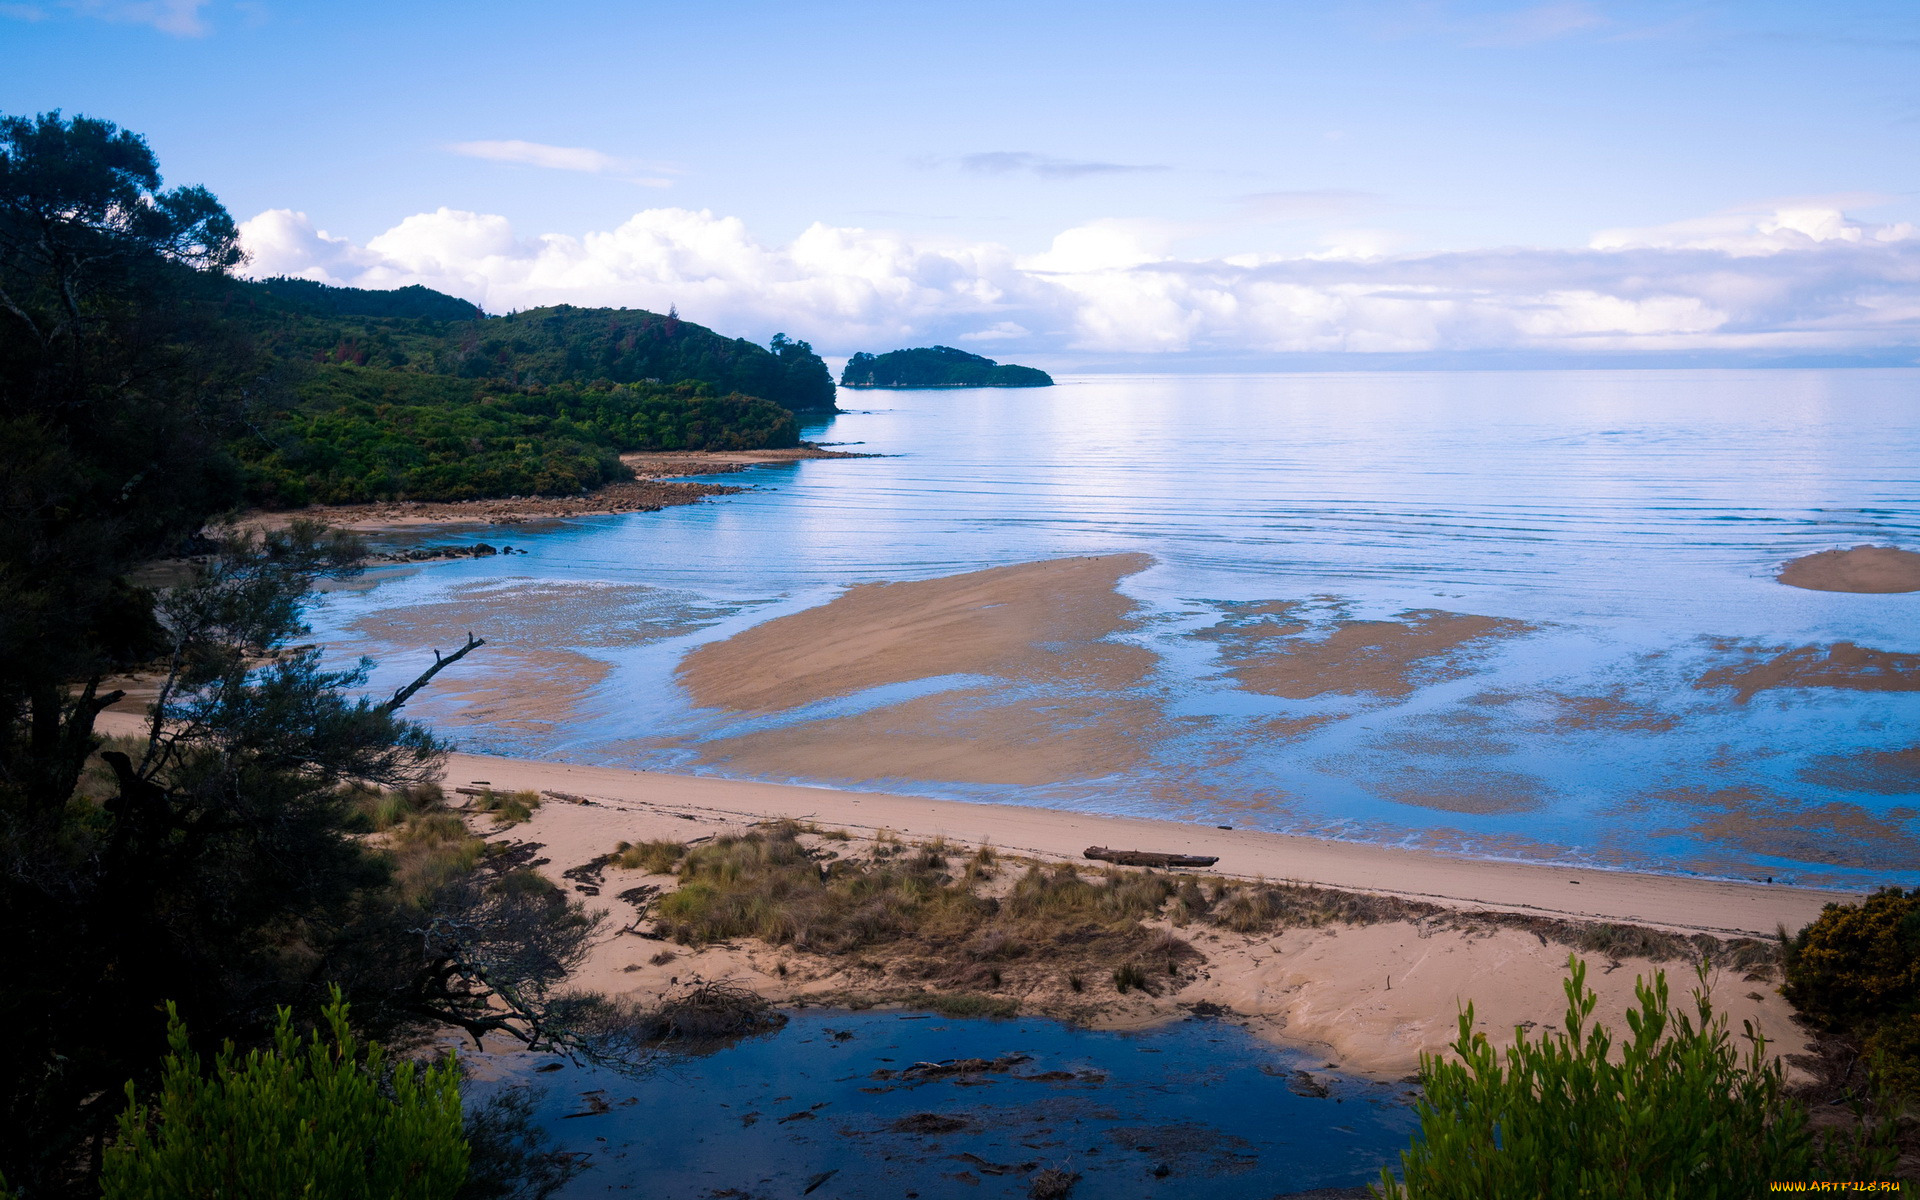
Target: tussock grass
{"x":430,"y":849}
{"x":376,"y":811}
{"x":655,"y":858}
{"x":507,"y":808}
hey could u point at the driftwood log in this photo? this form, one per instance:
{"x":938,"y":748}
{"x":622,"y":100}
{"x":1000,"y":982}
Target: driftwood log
{"x":1147,"y":858}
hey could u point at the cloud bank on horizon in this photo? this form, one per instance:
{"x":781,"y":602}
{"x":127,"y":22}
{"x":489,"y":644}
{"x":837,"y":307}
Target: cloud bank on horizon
{"x":1792,"y":279}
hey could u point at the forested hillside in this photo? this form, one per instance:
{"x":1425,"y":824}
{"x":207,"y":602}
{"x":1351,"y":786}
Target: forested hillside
{"x":411,"y":393}
{"x":937,"y":367}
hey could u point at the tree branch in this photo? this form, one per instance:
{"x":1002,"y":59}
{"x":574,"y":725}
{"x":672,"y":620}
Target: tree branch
{"x":402,"y":695}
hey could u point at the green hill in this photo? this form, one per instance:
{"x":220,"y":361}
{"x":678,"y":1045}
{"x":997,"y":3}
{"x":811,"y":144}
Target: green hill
{"x":937,"y":367}
{"x":415,"y":394}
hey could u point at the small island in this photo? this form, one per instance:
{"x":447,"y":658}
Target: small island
{"x":937,"y":367}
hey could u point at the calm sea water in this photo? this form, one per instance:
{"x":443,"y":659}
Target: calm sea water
{"x":1633,"y":519}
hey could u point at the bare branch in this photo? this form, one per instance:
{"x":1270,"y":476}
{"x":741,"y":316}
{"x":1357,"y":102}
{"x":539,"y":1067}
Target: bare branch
{"x":402,"y":695}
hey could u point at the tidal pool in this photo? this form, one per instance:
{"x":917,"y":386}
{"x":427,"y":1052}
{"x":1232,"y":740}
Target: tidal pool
{"x":834,"y":1106}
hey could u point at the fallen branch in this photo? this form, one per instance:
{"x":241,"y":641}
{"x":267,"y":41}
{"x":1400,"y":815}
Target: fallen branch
{"x":1148,"y":858}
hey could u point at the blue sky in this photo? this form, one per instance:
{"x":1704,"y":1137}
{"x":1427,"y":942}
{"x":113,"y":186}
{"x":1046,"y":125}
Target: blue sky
{"x":1205,"y":180}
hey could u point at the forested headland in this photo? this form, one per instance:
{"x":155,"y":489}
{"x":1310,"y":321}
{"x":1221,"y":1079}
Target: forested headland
{"x":411,"y":394}
{"x":937,"y":367}
{"x":270,"y":851}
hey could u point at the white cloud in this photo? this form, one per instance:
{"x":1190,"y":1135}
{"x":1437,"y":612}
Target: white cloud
{"x":1792,"y":225}
{"x":180,"y":17}
{"x":1011,"y":162}
{"x":565,"y":158}
{"x":1799,"y":278}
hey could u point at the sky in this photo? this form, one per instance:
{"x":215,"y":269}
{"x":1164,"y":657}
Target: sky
{"x":1157,"y":185}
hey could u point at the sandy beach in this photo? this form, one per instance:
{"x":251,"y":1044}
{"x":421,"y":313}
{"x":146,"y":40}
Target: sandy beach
{"x":1371,"y":997}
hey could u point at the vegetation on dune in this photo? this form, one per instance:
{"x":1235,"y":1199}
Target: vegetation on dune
{"x":936,"y":367}
{"x":1676,"y":1108}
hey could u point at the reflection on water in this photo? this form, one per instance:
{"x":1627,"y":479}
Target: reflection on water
{"x":1505,"y":613}
{"x":1196,"y":1108}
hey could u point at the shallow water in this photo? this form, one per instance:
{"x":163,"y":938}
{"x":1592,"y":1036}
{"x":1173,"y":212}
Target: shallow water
{"x":1625,"y":525}
{"x":1196,"y":1108}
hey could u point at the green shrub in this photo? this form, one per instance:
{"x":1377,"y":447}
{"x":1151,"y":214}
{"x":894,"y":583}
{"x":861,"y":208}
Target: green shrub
{"x":316,"y":1119}
{"x":1858,"y":963}
{"x":1856,"y":972}
{"x":1674,"y":1110}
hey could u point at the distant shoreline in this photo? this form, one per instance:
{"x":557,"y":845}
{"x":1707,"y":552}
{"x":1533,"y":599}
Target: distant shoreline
{"x":656,"y":487}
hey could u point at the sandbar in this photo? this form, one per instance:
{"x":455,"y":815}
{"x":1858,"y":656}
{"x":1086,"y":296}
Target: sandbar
{"x":1861,"y":569}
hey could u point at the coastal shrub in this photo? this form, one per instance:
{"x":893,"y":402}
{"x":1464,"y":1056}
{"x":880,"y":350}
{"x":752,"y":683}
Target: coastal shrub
{"x":320,"y":1118}
{"x":1855,"y":971}
{"x":1675,"y":1109}
{"x":1858,"y":963}
{"x":655,"y":858}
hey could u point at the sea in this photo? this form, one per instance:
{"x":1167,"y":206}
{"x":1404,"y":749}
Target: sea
{"x":1623,"y":527}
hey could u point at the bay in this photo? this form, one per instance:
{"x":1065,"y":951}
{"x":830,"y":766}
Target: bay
{"x":1621,"y":528}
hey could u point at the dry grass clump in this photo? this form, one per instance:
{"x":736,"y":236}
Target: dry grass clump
{"x":766,"y":884}
{"x":430,"y":849}
{"x":374,"y":810}
{"x":1257,"y":908}
{"x":655,"y":858}
{"x":507,"y":808}
{"x":1052,"y":1184}
{"x":1060,"y":894}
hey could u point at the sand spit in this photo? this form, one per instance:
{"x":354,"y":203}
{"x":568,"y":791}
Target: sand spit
{"x":1840,"y":665}
{"x":1861,"y":569}
{"x":1371,"y":997}
{"x":653,"y":491}
{"x":669,"y":464}
{"x":1281,"y":654}
{"x":1031,"y":621}
{"x":638,"y":495}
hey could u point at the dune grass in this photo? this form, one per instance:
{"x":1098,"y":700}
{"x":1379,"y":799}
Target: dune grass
{"x":655,"y":858}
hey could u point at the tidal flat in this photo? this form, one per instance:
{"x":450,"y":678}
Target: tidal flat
{"x":1522,"y":615}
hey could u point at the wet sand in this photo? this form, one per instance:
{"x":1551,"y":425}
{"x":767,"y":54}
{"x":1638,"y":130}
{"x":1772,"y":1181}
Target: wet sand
{"x":1032,"y":621}
{"x":1281,"y":653}
{"x":1861,"y":569}
{"x":1840,"y":665}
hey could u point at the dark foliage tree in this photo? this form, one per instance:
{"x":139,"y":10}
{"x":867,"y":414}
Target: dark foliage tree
{"x":211,"y":860}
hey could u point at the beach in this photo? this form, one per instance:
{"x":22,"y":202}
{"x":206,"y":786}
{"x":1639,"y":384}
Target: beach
{"x":1371,"y":997}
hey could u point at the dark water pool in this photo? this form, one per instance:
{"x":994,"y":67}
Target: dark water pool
{"x":834,"y":1103}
